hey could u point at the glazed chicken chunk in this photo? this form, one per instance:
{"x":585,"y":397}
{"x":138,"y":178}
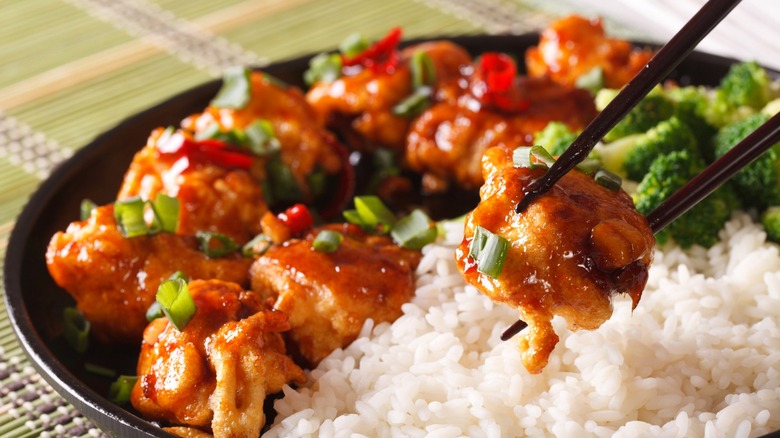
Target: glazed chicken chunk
{"x":329,"y":296}
{"x":569,"y":252}
{"x":214,"y":375}
{"x":114,"y":278}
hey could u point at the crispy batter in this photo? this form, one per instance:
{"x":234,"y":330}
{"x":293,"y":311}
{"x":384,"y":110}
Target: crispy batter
{"x":216,"y":373}
{"x":114,"y":279}
{"x":571,"y":250}
{"x":573,"y":46}
{"x":329,"y":296}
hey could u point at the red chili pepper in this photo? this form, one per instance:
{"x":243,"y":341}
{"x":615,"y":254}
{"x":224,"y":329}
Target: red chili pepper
{"x":205,"y":151}
{"x":495,"y":81}
{"x":297,"y":218}
{"x":382,"y":56}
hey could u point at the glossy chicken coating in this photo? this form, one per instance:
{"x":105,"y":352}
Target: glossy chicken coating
{"x":574,"y":45}
{"x":360,"y":106}
{"x":305,"y":144}
{"x":215,"y":374}
{"x":114,"y":279}
{"x":447,"y":141}
{"x":570,"y":251}
{"x":329,"y":296}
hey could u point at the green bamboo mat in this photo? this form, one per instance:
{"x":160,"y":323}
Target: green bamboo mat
{"x":70,"y":69}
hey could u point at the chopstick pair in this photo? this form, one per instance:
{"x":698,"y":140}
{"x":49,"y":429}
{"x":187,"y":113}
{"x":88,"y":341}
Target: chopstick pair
{"x":657,"y":69}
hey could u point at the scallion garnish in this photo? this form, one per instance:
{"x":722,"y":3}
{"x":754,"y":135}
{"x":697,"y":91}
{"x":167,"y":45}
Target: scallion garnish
{"x":608,"y":179}
{"x":592,"y":80}
{"x":325,"y":67}
{"x":353,"y":45}
{"x":176,"y":302}
{"x":166,"y":212}
{"x":257,"y":246}
{"x":154,"y":311}
{"x":215,"y":244}
{"x":532,"y":157}
{"x":423,"y":70}
{"x":327,"y":241}
{"x":99,"y":370}
{"x":415,"y":104}
{"x":281,"y":183}
{"x":373,"y":213}
{"x":86,"y":208}
{"x":120,"y":390}
{"x":236,"y":88}
{"x":489,"y":250}
{"x":414,"y":231}
{"x":261,"y":138}
{"x":589,"y":166}
{"x":273,"y":80}
{"x":129,"y":215}
{"x":75,"y":329}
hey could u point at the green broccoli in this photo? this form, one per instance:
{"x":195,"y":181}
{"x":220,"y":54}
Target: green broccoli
{"x":631,"y":156}
{"x":758,"y":184}
{"x":690,"y":104}
{"x":556,"y":137}
{"x":699,"y":225}
{"x":654,"y":108}
{"x":746,"y":84}
{"x":771,"y":220}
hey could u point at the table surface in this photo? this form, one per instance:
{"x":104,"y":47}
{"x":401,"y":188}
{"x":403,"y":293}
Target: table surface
{"x":70,"y":69}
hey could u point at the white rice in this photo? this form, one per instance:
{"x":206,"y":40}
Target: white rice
{"x":700,"y":356}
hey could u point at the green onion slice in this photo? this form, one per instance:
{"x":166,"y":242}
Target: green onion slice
{"x":353,"y":217}
{"x":423,"y":70}
{"x":99,"y":370}
{"x":281,"y":183}
{"x":592,"y":80}
{"x":154,"y":311}
{"x":524,"y":157}
{"x":489,"y":250}
{"x":589,"y":166}
{"x":166,"y":212}
{"x":273,"y":80}
{"x":261,"y":138}
{"x":207,"y":240}
{"x":608,"y":179}
{"x":120,"y":390}
{"x":236,"y":88}
{"x":327,"y":241}
{"x":325,"y":67}
{"x":353,"y":45}
{"x":374,"y":213}
{"x":86,"y":208}
{"x":415,"y":104}
{"x":414,"y":231}
{"x":176,"y":302}
{"x":129,"y":215}
{"x":75,"y":329}
{"x":257,"y":246}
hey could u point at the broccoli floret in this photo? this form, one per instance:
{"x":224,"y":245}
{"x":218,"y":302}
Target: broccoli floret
{"x":746,"y":84}
{"x":631,"y":156}
{"x":654,"y":108}
{"x":771,"y":221}
{"x":699,"y":225}
{"x":758,"y":184}
{"x":690,"y":104}
{"x":556,"y":137}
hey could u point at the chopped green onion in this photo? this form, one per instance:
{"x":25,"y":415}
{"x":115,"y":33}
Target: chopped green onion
{"x":414,"y":231}
{"x":273,"y":80}
{"x":423,"y":70}
{"x":415,"y":104}
{"x":99,"y":370}
{"x":524,"y":157}
{"x":257,"y":246}
{"x":179,"y":275}
{"x":325,"y":67}
{"x":236,"y":89}
{"x":353,"y":45}
{"x":592,"y":80}
{"x":318,"y":181}
{"x":589,"y":166}
{"x":281,"y":184}
{"x":75,"y":329}
{"x":608,"y":179}
{"x":154,"y":311}
{"x":213,"y":131}
{"x":489,"y":250}
{"x":176,"y":302}
{"x":166,"y":212}
{"x":373,"y":212}
{"x":129,"y":215}
{"x":86,"y":208}
{"x":353,"y":217}
{"x":261,"y":138}
{"x":120,"y":390}
{"x":206,"y":240}
{"x":327,"y":241}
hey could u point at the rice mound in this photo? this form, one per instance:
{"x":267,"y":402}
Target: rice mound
{"x":699,"y":356}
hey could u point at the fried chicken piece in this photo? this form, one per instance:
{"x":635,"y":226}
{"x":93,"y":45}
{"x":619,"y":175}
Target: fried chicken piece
{"x":216,"y":372}
{"x":329,"y":296}
{"x":360,"y":106}
{"x":573,"y":46}
{"x":113,"y":278}
{"x":447,"y":141}
{"x":570,"y":251}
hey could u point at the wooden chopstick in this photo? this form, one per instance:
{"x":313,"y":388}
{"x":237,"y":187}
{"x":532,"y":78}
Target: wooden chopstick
{"x":657,"y":69}
{"x":716,"y":174}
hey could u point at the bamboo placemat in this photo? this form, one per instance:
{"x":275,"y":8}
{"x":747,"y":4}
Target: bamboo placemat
{"x":70,"y":69}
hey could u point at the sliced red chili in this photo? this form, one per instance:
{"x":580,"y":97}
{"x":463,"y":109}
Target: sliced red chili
{"x":205,"y":151}
{"x":495,"y":80}
{"x":380,"y":57}
{"x":297,"y":218}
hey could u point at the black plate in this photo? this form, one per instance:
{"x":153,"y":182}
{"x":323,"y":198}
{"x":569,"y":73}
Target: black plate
{"x":35,"y":303}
